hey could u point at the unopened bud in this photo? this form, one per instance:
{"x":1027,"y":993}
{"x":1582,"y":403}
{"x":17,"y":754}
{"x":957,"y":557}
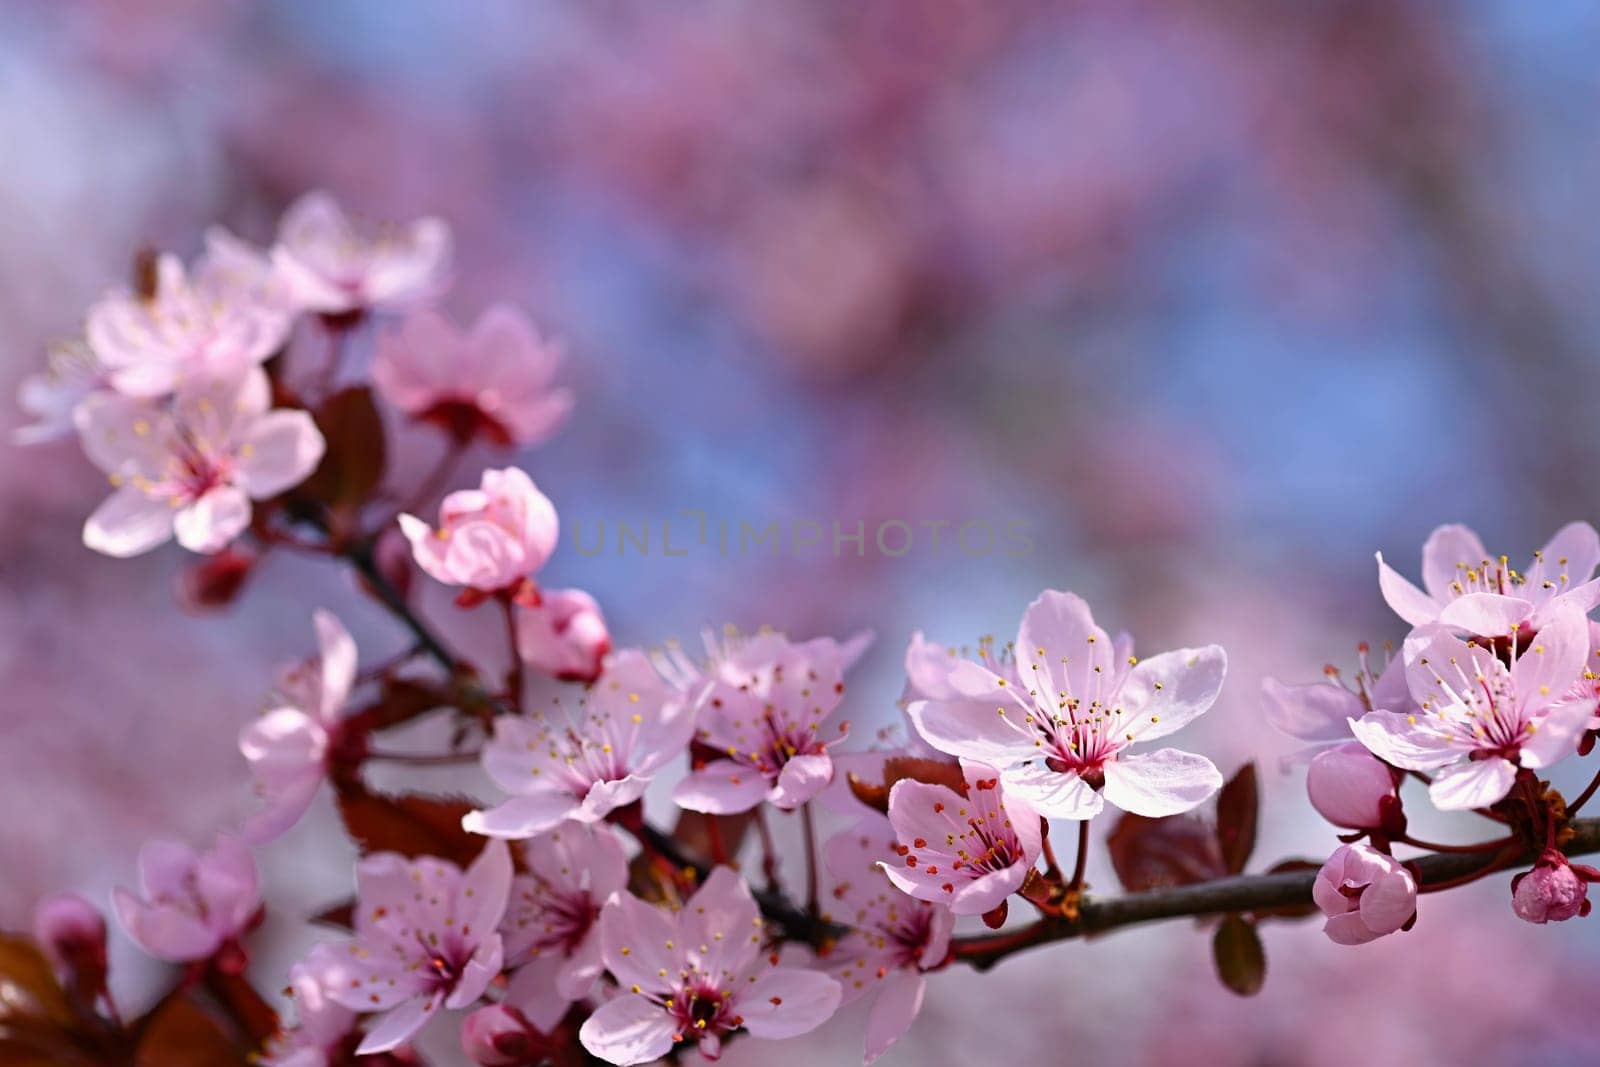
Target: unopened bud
{"x":497,"y":1036}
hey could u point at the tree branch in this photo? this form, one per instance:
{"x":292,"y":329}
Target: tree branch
{"x":1242,"y":893}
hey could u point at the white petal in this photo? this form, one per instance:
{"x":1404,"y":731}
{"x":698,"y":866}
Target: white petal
{"x":1164,"y":782}
{"x":127,"y":523}
{"x":1474,"y":784}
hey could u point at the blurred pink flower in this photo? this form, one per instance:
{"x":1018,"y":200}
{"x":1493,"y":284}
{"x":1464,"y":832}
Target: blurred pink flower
{"x":1060,"y":743}
{"x":1319,"y":714}
{"x":287,"y":748}
{"x":494,"y":380}
{"x":1365,"y":894}
{"x":322,"y":1025}
{"x":71,"y":373}
{"x":551,"y":924}
{"x":192,"y":904}
{"x":892,"y":940}
{"x":564,"y":635}
{"x":1471,"y":591}
{"x":968,"y":851}
{"x":333,"y":265}
{"x":1351,"y":787}
{"x":1554,"y":891}
{"x":197,"y":324}
{"x":586,"y":767}
{"x":71,"y":933}
{"x":697,"y":975}
{"x":1477,"y":720}
{"x":192,"y":468}
{"x":497,"y":1035}
{"x":762,"y":714}
{"x":749,"y":659}
{"x":489,"y":539}
{"x":427,"y":936}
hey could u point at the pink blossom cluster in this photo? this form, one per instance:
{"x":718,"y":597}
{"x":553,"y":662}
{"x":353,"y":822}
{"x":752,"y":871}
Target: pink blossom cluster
{"x":547,"y":913}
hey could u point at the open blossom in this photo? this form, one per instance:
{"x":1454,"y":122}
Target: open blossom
{"x":1351,"y":787}
{"x":584,"y":766}
{"x":748,"y":659}
{"x":494,"y":380}
{"x":564,"y":635}
{"x":1060,"y":737}
{"x":427,"y":936}
{"x":49,"y":397}
{"x":1469,"y":590}
{"x":1478,"y":721}
{"x":333,"y":265}
{"x":192,"y":903}
{"x":1319,"y":714}
{"x":892,"y":939}
{"x":969,"y":849}
{"x":322,"y":1025}
{"x":193,"y":467}
{"x":288,"y":746}
{"x":551,"y":926}
{"x":1365,"y":895}
{"x":194,"y":324}
{"x":1554,"y":891}
{"x":697,"y":975}
{"x":763,"y":713}
{"x":489,"y":539}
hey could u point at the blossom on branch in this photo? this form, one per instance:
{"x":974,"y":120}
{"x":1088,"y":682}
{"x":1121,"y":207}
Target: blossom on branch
{"x":192,"y":904}
{"x":1365,"y":895}
{"x":490,"y":539}
{"x":1060,"y":737}
{"x":322,"y":1025}
{"x":334,"y":265}
{"x":564,"y":635}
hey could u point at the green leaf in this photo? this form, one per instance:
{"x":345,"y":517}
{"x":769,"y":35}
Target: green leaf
{"x":1237,"y":808}
{"x":1241,"y":961}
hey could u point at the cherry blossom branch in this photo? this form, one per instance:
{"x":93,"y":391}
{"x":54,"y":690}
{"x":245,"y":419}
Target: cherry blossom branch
{"x":361,"y":558}
{"x":1241,"y":893}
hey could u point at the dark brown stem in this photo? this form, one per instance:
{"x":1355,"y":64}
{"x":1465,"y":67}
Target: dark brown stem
{"x":361,"y":558}
{"x":1241,"y":893}
{"x":808,"y":823}
{"x":515,"y":681}
{"x":1583,"y":797}
{"x":1082,"y":865}
{"x":425,"y":759}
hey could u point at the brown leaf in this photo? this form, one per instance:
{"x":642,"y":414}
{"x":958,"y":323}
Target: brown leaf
{"x":1154,"y":853}
{"x":896,"y":768}
{"x":1241,"y":961}
{"x":183,"y":1033}
{"x":341,"y":915}
{"x":28,"y":988}
{"x":353,"y":464}
{"x":1237,"y":807}
{"x":402,"y":700}
{"x":410,"y":824}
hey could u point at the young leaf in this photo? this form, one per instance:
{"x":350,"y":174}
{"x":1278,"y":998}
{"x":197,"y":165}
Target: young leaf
{"x":410,"y":824}
{"x":183,"y":1033}
{"x":1152,"y":853}
{"x":1237,"y":808}
{"x":1241,"y":961}
{"x":353,"y":464}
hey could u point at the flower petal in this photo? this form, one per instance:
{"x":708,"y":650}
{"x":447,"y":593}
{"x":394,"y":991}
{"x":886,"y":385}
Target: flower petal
{"x":398,"y":1025}
{"x":628,"y":1030}
{"x":1053,"y":794}
{"x":280,"y":451}
{"x":893,"y":1012}
{"x":787,"y":1002}
{"x":1474,"y":784}
{"x":1166,"y":692}
{"x":208,"y":524}
{"x":721,"y":787}
{"x":522,"y":817}
{"x":1405,"y":599}
{"x":1164,"y":782}
{"x":127,"y":523}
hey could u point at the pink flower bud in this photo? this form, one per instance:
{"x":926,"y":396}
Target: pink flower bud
{"x":489,"y":539}
{"x":564,"y":636}
{"x":1349,"y":786}
{"x":1551,"y":892}
{"x":1365,"y":895}
{"x":72,"y":934}
{"x":497,"y":1036}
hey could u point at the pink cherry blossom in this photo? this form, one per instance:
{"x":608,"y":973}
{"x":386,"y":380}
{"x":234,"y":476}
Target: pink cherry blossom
{"x":763,"y":712}
{"x":322,"y":1025}
{"x":332,"y":264}
{"x":582,"y":766}
{"x":970,"y":850}
{"x":490,"y":538}
{"x":1365,"y":894}
{"x":495,"y":379}
{"x":1352,"y":788}
{"x":1478,"y":721}
{"x":71,"y":933}
{"x":193,"y":903}
{"x":194,"y":466}
{"x":892,"y":939}
{"x":697,"y":975}
{"x":564,"y":635}
{"x":1060,"y":738}
{"x":72,"y":372}
{"x":198,"y":324}
{"x":1319,"y":714}
{"x":427,"y":936}
{"x":497,"y":1035}
{"x":741,"y":659}
{"x":287,"y":748}
{"x":551,"y":927}
{"x":1554,"y":891}
{"x":928,"y":667}
{"x":1469,"y":590}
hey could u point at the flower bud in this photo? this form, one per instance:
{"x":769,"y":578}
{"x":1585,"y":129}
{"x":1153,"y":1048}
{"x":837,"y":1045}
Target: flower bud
{"x":1365,"y":895}
{"x":72,"y":934}
{"x":1552,"y":892}
{"x":1351,"y":787}
{"x":215,"y":581}
{"x":564,"y":635}
{"x":497,"y":1036}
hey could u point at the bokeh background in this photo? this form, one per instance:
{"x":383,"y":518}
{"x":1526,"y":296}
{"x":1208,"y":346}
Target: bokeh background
{"x":1217,"y":298}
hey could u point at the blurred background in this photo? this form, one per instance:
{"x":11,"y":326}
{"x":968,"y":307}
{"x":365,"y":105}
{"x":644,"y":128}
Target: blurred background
{"x":1215,"y":298}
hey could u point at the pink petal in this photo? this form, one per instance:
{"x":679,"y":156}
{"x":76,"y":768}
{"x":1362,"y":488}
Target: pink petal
{"x":1556,"y":733}
{"x":1474,"y":784}
{"x":482,"y":968}
{"x":605,"y":797}
{"x":338,"y":662}
{"x":802,"y":778}
{"x":533,"y":991}
{"x":1547,"y":669}
{"x":210,"y":523}
{"x":398,"y":1025}
{"x":1449,"y":550}
{"x":628,"y":1030}
{"x":1348,"y":929}
{"x":485,"y":887}
{"x":1060,"y":649}
{"x":522,"y":816}
{"x":163,"y":932}
{"x":975,"y":728}
{"x":1317,"y":712}
{"x":1403,"y":740}
{"x":721,"y":787}
{"x":1160,"y":783}
{"x":1053,"y":794}
{"x":899,"y":1000}
{"x":1574,"y":551}
{"x":1488,"y":614}
{"x":787,"y":1001}
{"x":1405,"y":599}
{"x":1166,"y":692}
{"x":280,"y":451}
{"x":127,"y":523}
{"x":634,"y":939}
{"x":721,"y":924}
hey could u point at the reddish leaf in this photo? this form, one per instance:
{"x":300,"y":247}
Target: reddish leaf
{"x":1241,"y":961}
{"x":1153,"y":853}
{"x":401,"y":701}
{"x":934,"y":771}
{"x":183,"y":1033}
{"x":353,"y":464}
{"x":28,"y":988}
{"x":341,"y":915}
{"x":1237,"y":808}
{"x":410,"y":824}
